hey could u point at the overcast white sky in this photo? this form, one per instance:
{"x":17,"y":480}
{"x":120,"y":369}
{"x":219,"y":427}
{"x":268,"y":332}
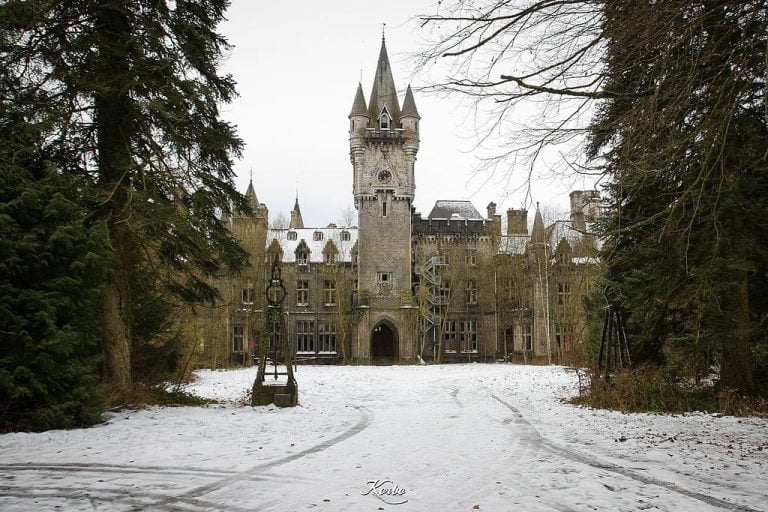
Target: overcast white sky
{"x":297,"y":65}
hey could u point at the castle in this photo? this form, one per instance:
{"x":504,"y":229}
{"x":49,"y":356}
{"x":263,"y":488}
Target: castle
{"x":398,"y":287}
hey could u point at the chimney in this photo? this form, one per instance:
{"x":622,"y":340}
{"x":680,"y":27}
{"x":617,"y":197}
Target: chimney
{"x":491,"y":210}
{"x":517,"y":222}
{"x":583,"y":203}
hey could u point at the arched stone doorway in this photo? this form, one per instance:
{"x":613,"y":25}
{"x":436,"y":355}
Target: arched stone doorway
{"x":384,"y":343}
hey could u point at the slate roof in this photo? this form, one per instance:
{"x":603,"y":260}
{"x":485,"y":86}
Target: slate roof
{"x":315,"y":246}
{"x":384,"y":92}
{"x":358,"y":106}
{"x":409,"y":105}
{"x":454,"y":210}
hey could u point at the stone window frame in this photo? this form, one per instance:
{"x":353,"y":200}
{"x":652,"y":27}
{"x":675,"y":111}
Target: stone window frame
{"x":302,"y":292}
{"x":326,"y":337}
{"x":238,"y":338}
{"x":385,"y":120}
{"x":468,"y":336}
{"x":329,"y":292}
{"x":470,"y":257}
{"x":292,"y":235}
{"x":248,"y":295}
{"x":450,"y":336}
{"x":305,"y":337}
{"x":471,"y":291}
{"x":563,"y":294}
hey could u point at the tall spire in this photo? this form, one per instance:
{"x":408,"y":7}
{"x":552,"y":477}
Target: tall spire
{"x":297,"y":222}
{"x":384,"y":93}
{"x":538,"y":236}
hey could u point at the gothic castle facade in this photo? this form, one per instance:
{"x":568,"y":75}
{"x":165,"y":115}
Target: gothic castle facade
{"x":398,"y":287}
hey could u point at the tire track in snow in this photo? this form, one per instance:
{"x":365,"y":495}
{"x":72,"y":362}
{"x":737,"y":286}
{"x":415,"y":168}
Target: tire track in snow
{"x":366,"y":417}
{"x":536,"y":439}
{"x":87,"y":467}
{"x":141,"y":499}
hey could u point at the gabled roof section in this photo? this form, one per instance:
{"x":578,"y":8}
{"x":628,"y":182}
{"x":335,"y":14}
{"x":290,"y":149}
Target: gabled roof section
{"x":358,"y":106}
{"x":384,"y":92}
{"x":409,"y":105}
{"x":302,"y":247}
{"x":464,"y":210}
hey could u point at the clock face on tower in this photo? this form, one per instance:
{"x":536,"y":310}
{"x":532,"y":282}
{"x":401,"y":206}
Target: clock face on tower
{"x":385,"y":176}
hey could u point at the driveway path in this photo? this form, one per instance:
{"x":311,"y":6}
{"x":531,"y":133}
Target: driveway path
{"x":464,"y":438}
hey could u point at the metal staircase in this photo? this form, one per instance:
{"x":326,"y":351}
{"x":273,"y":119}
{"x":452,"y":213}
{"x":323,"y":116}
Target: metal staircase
{"x":429,"y":313}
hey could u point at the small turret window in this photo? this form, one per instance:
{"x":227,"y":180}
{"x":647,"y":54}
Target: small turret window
{"x":384,"y":120}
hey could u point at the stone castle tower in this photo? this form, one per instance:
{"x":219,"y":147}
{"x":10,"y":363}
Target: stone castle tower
{"x":383,"y":142}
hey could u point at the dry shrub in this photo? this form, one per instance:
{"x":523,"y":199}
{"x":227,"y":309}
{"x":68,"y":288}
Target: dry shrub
{"x":651,"y":388}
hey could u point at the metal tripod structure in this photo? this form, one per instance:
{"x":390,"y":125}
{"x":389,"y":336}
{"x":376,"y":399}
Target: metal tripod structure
{"x":614,"y":349}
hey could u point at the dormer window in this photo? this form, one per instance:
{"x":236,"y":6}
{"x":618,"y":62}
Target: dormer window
{"x":384,"y":120}
{"x":345,"y":236}
{"x":317,"y":235}
{"x":292,"y":235}
{"x":302,"y":258}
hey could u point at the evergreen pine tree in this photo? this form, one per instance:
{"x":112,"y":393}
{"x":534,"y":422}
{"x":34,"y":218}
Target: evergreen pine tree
{"x":52,"y":267}
{"x":137,"y":91}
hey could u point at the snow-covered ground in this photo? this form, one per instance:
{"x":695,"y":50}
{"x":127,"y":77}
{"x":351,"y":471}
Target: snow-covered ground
{"x":451,"y":438}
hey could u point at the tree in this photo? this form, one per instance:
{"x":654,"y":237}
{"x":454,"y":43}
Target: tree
{"x":138,"y":90}
{"x":688,"y":178}
{"x":52,"y":267}
{"x":679,"y":137}
{"x":279,"y":221}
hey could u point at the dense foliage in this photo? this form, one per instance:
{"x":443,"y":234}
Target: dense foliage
{"x":52,"y":266}
{"x":132,"y":138}
{"x":687,"y":167}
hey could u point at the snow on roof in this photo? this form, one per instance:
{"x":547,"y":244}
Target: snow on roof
{"x":584,"y":260}
{"x":563,"y":229}
{"x":316,"y":240}
{"x":513,"y":244}
{"x":454,"y":210}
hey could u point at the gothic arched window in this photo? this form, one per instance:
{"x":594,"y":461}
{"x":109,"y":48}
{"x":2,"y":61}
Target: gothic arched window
{"x":384,"y":120}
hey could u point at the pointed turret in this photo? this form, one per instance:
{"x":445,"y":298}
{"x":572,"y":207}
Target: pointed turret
{"x":409,"y":119}
{"x":384,"y":93}
{"x":358,"y":116}
{"x":358,"y":107}
{"x":538,"y":236}
{"x":250,"y":195}
{"x":409,"y":105}
{"x":296,"y":221}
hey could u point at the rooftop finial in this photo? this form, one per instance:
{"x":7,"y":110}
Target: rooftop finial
{"x":383,"y":26}
{"x":250,"y":172}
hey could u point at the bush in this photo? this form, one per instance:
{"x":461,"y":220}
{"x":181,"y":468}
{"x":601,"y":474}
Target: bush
{"x":652,"y":388}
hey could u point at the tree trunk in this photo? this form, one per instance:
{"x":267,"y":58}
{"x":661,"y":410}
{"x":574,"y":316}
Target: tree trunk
{"x":117,"y":346}
{"x":736,"y":366}
{"x":114,"y":126}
